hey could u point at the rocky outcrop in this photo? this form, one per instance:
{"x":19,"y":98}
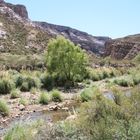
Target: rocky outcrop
{"x":123,"y":48}
{"x":84,"y":40}
{"x":34,"y":36}
{"x":18,"y":9}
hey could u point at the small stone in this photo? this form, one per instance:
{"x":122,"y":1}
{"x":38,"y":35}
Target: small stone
{"x":22,"y":107}
{"x":53,"y":108}
{"x":65,"y":108}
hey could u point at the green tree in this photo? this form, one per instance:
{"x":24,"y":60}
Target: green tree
{"x":66,"y":60}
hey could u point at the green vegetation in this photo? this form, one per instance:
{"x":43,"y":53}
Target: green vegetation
{"x":132,"y":79}
{"x":23,"y":101}
{"x":23,"y":131}
{"x":101,"y":118}
{"x":86,"y":95}
{"x":102,"y":73}
{"x":5,"y":86}
{"x":47,"y":81}
{"x":18,"y":132}
{"x":89,"y":93}
{"x":34,"y":90}
{"x":15,"y":93}
{"x":44,"y":99}
{"x":65,"y":66}
{"x":4,"y":109}
{"x":56,"y":96}
{"x":68,"y":64}
{"x":137,"y":59}
{"x":29,"y":83}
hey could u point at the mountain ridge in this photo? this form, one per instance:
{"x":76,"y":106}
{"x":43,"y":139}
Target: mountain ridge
{"x":83,"y":39}
{"x":123,"y":48}
{"x":20,"y":35}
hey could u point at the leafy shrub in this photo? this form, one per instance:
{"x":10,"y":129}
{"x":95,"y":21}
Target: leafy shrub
{"x":34,"y":90}
{"x":56,"y":96}
{"x":23,"y":101}
{"x":24,"y":87}
{"x":124,"y":82}
{"x":100,"y":119}
{"x":30,"y":82}
{"x":47,"y":82}
{"x":106,"y":74}
{"x":108,"y":119}
{"x":118,"y":95}
{"x":93,"y":75}
{"x":44,"y":98}
{"x":21,"y":132}
{"x":15,"y":93}
{"x":60,"y":131}
{"x":17,"y":132}
{"x":18,"y":80}
{"x":4,"y":109}
{"x":86,"y":94}
{"x":136,"y":80}
{"x":69,"y":63}
{"x":5,"y":86}
{"x":100,"y":74}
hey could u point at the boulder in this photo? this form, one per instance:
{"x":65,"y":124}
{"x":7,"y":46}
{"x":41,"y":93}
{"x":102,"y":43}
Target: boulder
{"x":18,"y":9}
{"x":123,"y":48}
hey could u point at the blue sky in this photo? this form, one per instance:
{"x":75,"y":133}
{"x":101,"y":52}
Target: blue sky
{"x":114,"y":18}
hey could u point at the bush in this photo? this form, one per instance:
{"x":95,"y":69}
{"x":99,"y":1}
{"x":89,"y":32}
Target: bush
{"x":100,"y":119}
{"x":47,"y":82}
{"x":44,"y":98}
{"x":93,"y":75}
{"x":21,"y":132}
{"x":34,"y":90}
{"x":118,"y":95}
{"x":100,"y":74}
{"x":86,"y":95}
{"x":29,"y":82}
{"x":69,"y":63}
{"x":124,"y":82}
{"x":24,"y":87}
{"x":56,"y":96}
{"x":136,"y":80}
{"x":15,"y":93}
{"x":4,"y":109}
{"x":23,"y":101}
{"x":5,"y":86}
{"x":106,"y":74}
{"x":17,"y":133}
{"x":18,"y":80}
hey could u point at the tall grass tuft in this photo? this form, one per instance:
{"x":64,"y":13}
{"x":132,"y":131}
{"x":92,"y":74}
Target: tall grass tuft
{"x":4,"y":109}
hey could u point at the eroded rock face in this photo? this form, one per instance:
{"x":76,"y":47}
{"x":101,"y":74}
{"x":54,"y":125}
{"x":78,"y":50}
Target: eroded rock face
{"x":84,"y":40}
{"x":18,"y":9}
{"x":122,"y":48}
{"x":21,"y":10}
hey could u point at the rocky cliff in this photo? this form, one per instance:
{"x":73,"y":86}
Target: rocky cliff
{"x":123,"y":48}
{"x":18,"y":9}
{"x":20,"y":35}
{"x":85,"y":40}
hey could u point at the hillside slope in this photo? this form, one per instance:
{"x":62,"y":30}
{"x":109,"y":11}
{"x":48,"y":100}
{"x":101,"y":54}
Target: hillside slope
{"x":21,"y":35}
{"x":86,"y":41}
{"x":123,"y":48}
